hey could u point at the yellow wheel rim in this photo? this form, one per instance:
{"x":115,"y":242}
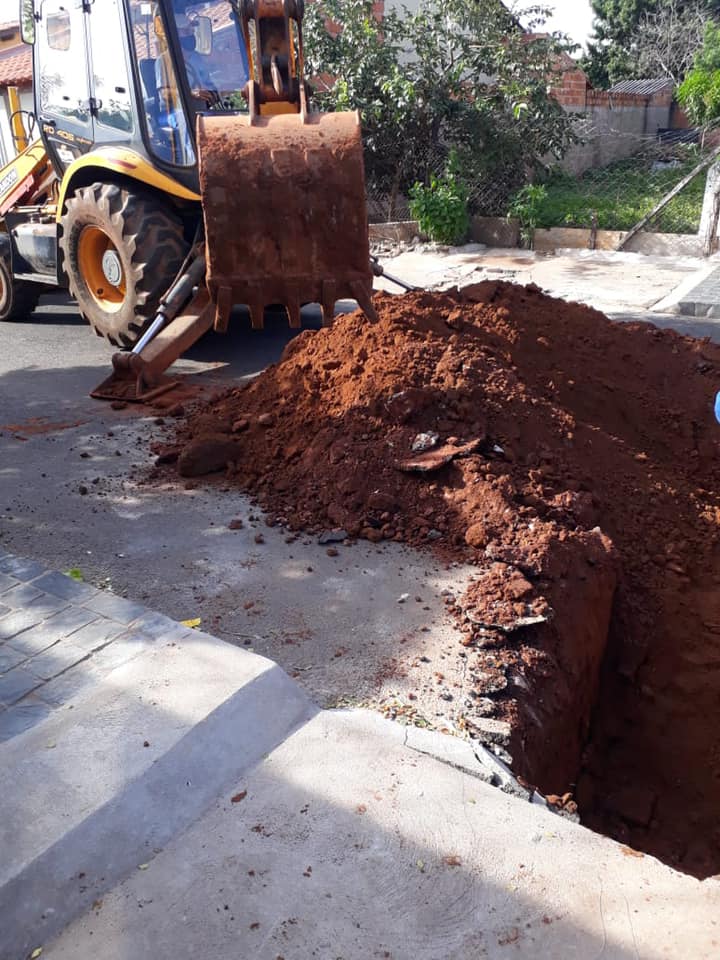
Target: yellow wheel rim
{"x":101,"y":268}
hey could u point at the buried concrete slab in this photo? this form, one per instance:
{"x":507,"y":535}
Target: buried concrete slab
{"x":346,"y":842}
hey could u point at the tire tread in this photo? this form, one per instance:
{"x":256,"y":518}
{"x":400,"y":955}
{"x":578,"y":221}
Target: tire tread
{"x":151,"y":236}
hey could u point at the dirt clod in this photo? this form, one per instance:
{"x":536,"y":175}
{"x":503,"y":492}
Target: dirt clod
{"x":207,"y":455}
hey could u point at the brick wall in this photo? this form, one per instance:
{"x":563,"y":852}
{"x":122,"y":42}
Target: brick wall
{"x":616,"y":123}
{"x":574,"y":90}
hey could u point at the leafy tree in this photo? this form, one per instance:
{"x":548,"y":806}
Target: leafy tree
{"x":454,"y":76}
{"x":640,"y":38}
{"x":669,"y":37}
{"x":615,"y":24}
{"x":699,"y":93}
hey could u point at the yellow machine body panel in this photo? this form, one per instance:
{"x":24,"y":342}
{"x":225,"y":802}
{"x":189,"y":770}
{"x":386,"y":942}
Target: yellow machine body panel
{"x":24,"y":177}
{"x":128,"y":163}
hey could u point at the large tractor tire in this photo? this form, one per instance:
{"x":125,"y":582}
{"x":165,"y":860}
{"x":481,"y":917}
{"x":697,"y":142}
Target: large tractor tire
{"x":121,"y":251}
{"x":18,"y":298}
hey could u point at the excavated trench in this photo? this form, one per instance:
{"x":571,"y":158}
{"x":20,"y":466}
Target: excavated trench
{"x":573,"y":462}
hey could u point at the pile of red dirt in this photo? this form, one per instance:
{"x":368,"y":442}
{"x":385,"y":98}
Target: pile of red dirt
{"x":573,"y":461}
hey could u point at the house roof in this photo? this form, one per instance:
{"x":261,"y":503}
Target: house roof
{"x":643,"y":87}
{"x":219,"y":12}
{"x":16,"y":66}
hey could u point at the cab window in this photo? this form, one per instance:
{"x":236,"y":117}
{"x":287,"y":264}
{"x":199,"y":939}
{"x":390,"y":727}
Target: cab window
{"x":169,"y":133}
{"x":64,"y":79}
{"x":111,"y":82}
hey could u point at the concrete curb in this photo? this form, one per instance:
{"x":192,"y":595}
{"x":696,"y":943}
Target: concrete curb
{"x":672,"y":302}
{"x":93,"y":799}
{"x":703,"y":298}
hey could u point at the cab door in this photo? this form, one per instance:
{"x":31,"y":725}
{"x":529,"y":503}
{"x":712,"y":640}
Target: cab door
{"x":62,"y":87}
{"x":112,"y":104}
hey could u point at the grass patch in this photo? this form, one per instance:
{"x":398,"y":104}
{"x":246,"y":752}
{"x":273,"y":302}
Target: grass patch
{"x":624,"y":192}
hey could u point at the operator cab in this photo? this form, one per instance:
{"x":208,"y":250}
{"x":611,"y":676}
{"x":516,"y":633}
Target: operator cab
{"x":175,"y":59}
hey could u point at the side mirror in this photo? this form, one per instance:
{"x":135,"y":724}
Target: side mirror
{"x":202,"y":28}
{"x":27,"y":21}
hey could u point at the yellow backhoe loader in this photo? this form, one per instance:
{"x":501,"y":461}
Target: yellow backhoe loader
{"x":178,"y":172}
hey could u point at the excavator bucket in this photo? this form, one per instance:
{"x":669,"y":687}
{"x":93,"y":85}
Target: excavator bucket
{"x":285,"y":217}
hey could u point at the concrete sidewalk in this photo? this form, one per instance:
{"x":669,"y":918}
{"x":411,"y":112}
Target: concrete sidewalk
{"x":119,"y":727}
{"x":348,"y":842}
{"x":609,"y":281}
{"x":174,"y":796}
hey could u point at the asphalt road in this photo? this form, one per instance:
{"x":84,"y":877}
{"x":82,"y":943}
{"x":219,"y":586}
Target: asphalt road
{"x":69,"y":497}
{"x":53,"y":359}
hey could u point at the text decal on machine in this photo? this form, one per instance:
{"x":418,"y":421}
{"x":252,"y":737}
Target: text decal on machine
{"x":9,"y":180}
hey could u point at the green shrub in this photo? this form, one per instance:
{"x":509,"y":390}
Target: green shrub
{"x":526,"y":206}
{"x":441,"y":207}
{"x":699,"y":92}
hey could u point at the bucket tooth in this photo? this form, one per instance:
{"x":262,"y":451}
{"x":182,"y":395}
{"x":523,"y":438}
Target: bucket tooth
{"x":223,"y":307}
{"x":292,"y":304}
{"x":293,"y":312}
{"x":363,"y":294}
{"x":257,"y":314}
{"x":327,"y":303}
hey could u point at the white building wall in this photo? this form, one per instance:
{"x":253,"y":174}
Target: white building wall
{"x":397,"y":5}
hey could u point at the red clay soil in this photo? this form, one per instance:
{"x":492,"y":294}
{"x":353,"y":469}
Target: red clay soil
{"x":573,"y":461}
{"x":35,"y":426}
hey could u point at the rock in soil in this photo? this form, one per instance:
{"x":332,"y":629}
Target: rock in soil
{"x":576,"y":467}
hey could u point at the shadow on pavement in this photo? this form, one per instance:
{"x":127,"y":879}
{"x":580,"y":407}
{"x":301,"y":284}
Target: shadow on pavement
{"x":244,"y":350}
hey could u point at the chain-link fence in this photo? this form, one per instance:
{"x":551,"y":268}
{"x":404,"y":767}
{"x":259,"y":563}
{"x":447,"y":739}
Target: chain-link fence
{"x":612,"y":194}
{"x":489,"y":192}
{"x":619,"y":194}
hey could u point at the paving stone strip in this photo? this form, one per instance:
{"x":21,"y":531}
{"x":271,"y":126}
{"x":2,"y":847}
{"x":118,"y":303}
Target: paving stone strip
{"x":704,"y":299}
{"x":58,"y":637}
